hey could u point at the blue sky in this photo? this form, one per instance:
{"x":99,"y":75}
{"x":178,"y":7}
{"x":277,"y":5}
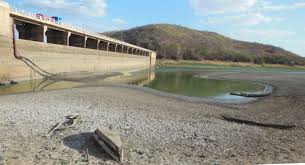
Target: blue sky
{"x":277,"y":22}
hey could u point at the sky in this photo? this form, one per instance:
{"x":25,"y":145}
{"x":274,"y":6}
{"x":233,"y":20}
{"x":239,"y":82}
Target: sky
{"x":276,"y":22}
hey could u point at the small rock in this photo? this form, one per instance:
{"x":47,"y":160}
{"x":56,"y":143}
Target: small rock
{"x":140,"y":152}
{"x":233,"y":155}
{"x":201,"y":156}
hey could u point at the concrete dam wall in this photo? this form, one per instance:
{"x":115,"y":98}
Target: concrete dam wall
{"x":62,"y":53}
{"x":60,"y":59}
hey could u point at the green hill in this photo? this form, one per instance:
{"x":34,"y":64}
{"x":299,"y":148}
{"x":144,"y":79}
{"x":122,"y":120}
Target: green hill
{"x":177,"y":42}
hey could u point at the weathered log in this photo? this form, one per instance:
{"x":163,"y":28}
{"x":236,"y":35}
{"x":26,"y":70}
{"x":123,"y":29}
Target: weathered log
{"x":70,"y":121}
{"x":267,"y":92}
{"x":250,"y":94}
{"x":110,"y":142}
{"x":74,"y":118}
{"x":253,"y":123}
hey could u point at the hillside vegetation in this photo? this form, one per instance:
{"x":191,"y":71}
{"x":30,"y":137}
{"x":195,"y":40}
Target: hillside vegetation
{"x":181,"y":43}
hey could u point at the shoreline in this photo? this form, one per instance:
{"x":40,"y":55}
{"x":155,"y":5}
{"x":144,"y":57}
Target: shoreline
{"x":228,"y":64}
{"x":81,"y":81}
{"x":157,"y":129}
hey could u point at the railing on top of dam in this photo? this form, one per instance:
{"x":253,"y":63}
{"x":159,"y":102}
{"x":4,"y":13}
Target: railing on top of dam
{"x":73,"y":27}
{"x":62,"y":23}
{"x":68,"y":25}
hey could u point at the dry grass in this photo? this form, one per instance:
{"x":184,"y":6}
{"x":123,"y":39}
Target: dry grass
{"x":177,"y":42}
{"x":227,"y":64}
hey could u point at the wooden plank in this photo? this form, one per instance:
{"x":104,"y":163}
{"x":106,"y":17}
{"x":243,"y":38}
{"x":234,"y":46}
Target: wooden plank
{"x":110,"y":142}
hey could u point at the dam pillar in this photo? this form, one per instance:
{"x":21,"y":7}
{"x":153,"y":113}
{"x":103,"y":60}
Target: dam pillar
{"x":153,"y":57}
{"x":6,"y":44}
{"x":5,"y":20}
{"x":68,"y":38}
{"x":45,"y":29}
{"x":98,"y":44}
{"x":116,"y":46}
{"x":108,"y":44}
{"x":85,"y":41}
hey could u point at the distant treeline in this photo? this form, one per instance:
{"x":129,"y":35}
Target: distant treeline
{"x":176,"y":42}
{"x":175,"y":53}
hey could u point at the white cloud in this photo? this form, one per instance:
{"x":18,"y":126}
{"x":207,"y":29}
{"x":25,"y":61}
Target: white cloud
{"x":95,"y":8}
{"x":268,"y":6}
{"x":248,"y":19}
{"x":205,"y":7}
{"x":241,"y":12}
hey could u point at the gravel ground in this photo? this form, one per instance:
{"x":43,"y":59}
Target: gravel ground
{"x":156,"y":129}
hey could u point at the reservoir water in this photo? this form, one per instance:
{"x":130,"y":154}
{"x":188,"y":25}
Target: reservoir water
{"x":196,"y":83}
{"x":179,"y":81}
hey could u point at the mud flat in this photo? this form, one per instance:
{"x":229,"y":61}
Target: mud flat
{"x":158,"y":129}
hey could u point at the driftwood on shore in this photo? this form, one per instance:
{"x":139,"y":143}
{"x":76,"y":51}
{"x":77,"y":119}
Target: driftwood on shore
{"x":70,"y":121}
{"x":267,"y":92}
{"x":254,"y":123}
{"x":110,"y":142}
{"x":244,"y":94}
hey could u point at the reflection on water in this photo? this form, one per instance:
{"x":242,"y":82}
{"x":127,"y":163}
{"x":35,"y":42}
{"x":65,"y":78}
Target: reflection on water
{"x":36,"y":86}
{"x":136,"y":78}
{"x":73,"y":80}
{"x":194,"y":83}
{"x":189,"y":84}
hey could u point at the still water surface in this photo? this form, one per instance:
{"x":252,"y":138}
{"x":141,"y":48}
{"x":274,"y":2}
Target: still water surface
{"x":191,"y":83}
{"x":196,"y":83}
